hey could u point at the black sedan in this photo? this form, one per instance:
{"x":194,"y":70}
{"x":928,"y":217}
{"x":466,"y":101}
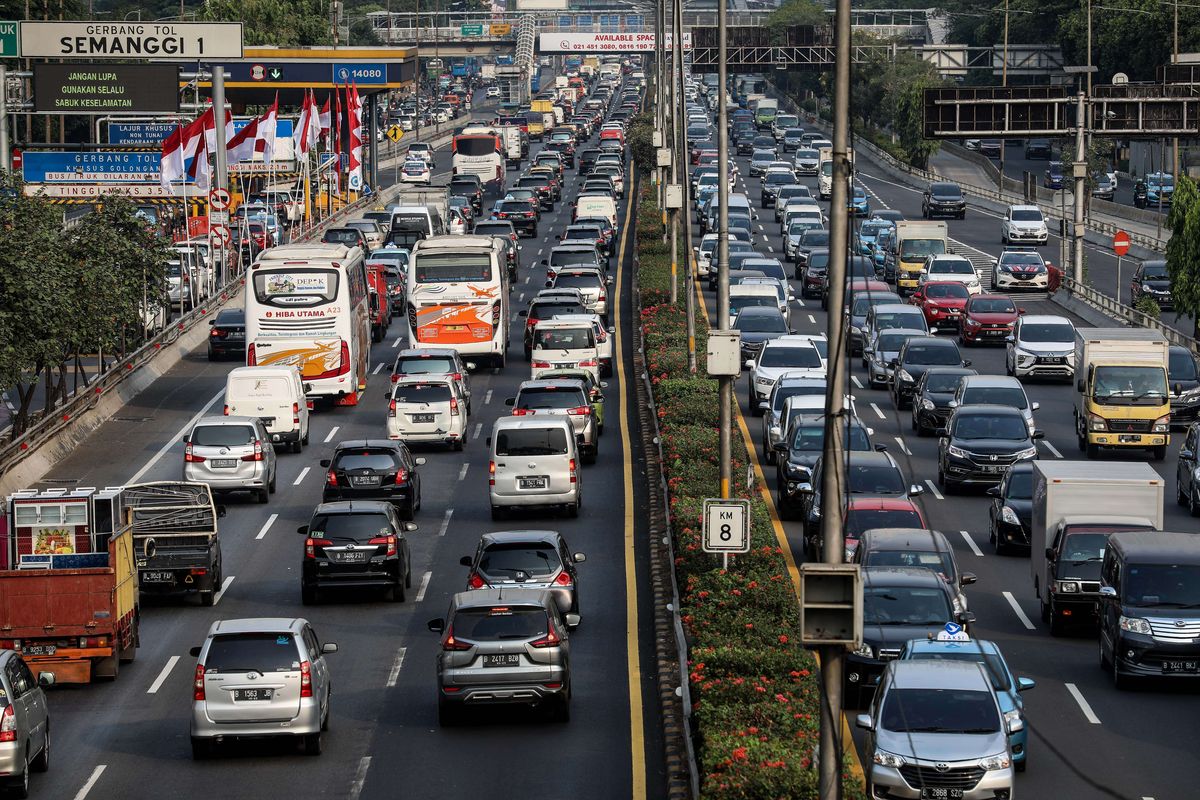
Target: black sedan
{"x":756,"y":325}
{"x":980,"y":443}
{"x":227,"y":336}
{"x":523,"y":214}
{"x":867,"y":475}
{"x":1011,"y":512}
{"x":374,"y":469}
{"x":931,"y":399}
{"x":798,"y":453}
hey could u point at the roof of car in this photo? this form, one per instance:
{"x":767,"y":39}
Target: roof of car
{"x":484,"y":598}
{"x":256,"y":625}
{"x":988,"y":408}
{"x":1155,"y":547}
{"x":904,"y":539}
{"x":901,"y":576}
{"x":881,"y":504}
{"x":515,"y":537}
{"x":1045,"y":319}
{"x":223,"y":420}
{"x":545,"y":383}
{"x":540,"y":421}
{"x":353,"y":507}
{"x":427,"y":352}
{"x":991,"y":380}
{"x":923,"y":674}
{"x":1021,"y":207}
{"x":388,"y":444}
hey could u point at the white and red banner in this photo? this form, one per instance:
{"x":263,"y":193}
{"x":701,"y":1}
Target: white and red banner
{"x":354,"y":180}
{"x":604,"y":42}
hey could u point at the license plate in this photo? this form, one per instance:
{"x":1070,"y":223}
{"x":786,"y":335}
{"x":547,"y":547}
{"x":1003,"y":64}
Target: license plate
{"x":241,"y":695}
{"x":995,"y":333}
{"x":1050,"y":360}
{"x":223,"y":463}
{"x":422,"y":417}
{"x":1129,"y":439}
{"x":39,"y":649}
{"x":1181,"y":666}
{"x":236,"y":337}
{"x":350,"y":556}
{"x":564,"y":365}
{"x":156,"y":577}
{"x":941,"y":793}
{"x":993,"y":468}
{"x":454,"y":328}
{"x":364,"y":480}
{"x":531,"y":483}
{"x":502,"y":660}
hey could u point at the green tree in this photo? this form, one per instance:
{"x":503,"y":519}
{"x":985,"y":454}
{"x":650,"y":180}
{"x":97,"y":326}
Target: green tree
{"x":908,"y":123}
{"x":280,"y":23}
{"x":798,"y":12}
{"x":1183,"y":250}
{"x":641,"y":141}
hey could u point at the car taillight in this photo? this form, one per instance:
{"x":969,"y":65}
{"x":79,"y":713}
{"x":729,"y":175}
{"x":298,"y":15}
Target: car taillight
{"x":391,"y":408}
{"x":310,"y":545}
{"x":491,"y":473}
{"x":295,"y":413}
{"x":571,"y":467}
{"x":522,"y":412}
{"x":251,"y":357}
{"x":305,"y":679}
{"x":331,"y":478}
{"x":580,"y":411}
{"x":541,"y":365}
{"x":549,"y":640}
{"x":388,"y":541}
{"x":450,"y":643}
{"x":453,"y":406}
{"x":602,"y":298}
{"x":191,"y":457}
{"x":401,"y":476}
{"x":588,"y":362}
{"x":197,"y":692}
{"x":475,"y":582}
{"x":257,"y":455}
{"x":563,"y":578}
{"x":217,"y":333}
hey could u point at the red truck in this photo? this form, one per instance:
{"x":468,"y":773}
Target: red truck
{"x":381,"y":307}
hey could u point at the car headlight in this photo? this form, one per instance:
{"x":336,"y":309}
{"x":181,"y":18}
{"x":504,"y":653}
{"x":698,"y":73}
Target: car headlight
{"x":1008,"y":516}
{"x":763,"y":381}
{"x":1134,"y":625}
{"x":885,"y":759}
{"x":973,"y":285}
{"x":902,"y":374}
{"x":1097,"y":423}
{"x":1162,"y":424}
{"x":1066,"y":587}
{"x":998,"y":761}
{"x":927,"y":405}
{"x":1028,"y":452}
{"x":957,"y":452}
{"x":866,"y":651}
{"x":798,"y":471}
{"x":1012,"y":716}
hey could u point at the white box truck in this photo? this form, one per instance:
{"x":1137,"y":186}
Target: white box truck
{"x":1076,"y":505}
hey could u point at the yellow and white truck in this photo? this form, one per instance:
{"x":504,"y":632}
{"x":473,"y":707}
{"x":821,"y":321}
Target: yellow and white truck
{"x":1122,"y":399}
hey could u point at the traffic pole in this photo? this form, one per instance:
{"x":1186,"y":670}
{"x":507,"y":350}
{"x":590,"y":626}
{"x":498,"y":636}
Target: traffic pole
{"x":5,"y":151}
{"x":723,"y":189}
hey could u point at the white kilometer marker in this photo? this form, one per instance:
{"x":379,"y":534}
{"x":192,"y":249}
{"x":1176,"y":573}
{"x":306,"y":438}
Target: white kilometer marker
{"x":1083,"y":704}
{"x":397,"y":663}
{"x":332,"y":433}
{"x":462,"y":473}
{"x":971,"y":544}
{"x":266,"y":526}
{"x":903,"y":446}
{"x":857,"y":382}
{"x":934,"y":489}
{"x":446,"y":522}
{"x":91,"y":781}
{"x":424,"y":585}
{"x":360,"y":777}
{"x":1016,"y":607}
{"x":162,"y":676}
{"x":478,"y":430}
{"x":396,"y":343}
{"x":1051,"y":448}
{"x":224,"y":588}
{"x":300,"y":477}
{"x":877,"y":411}
{"x":487,"y":398}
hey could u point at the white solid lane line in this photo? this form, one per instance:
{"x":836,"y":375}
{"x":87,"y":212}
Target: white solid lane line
{"x":162,"y":676}
{"x":424,"y":586}
{"x":91,"y":781}
{"x":300,"y":477}
{"x":332,"y":433}
{"x":462,"y":473}
{"x":174,"y":439}
{"x":266,"y":526}
{"x":224,"y":588}
{"x":877,"y":411}
{"x":360,"y":777}
{"x":971,"y":543}
{"x":1021,"y":615}
{"x":1083,"y":703}
{"x":1051,"y":448}
{"x":933,"y":488}
{"x":397,"y":664}
{"x":446,"y":522}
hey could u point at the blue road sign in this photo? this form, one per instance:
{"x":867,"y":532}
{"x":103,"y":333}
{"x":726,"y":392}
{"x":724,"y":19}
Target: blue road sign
{"x":359,"y":74}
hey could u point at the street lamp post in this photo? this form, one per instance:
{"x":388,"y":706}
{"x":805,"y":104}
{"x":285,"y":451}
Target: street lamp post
{"x":726,"y":383}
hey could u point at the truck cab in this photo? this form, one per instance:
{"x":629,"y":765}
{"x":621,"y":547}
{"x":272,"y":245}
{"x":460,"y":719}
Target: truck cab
{"x":1122,"y":399}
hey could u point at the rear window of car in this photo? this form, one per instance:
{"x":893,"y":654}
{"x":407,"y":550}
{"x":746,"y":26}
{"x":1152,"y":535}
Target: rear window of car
{"x":563,"y":339}
{"x":247,"y":652}
{"x":424,"y":365}
{"x":366,"y":459}
{"x":550,"y":397}
{"x":548,"y":310}
{"x":422,"y":393}
{"x":222,"y":435}
{"x":500,"y":623}
{"x":356,"y":527}
{"x":581,"y":281}
{"x":507,"y":560}
{"x":532,"y":442}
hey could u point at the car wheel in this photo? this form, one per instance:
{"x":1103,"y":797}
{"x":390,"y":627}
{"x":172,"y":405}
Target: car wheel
{"x":941,"y":477}
{"x":562,"y":709}
{"x":914,"y":424}
{"x":41,"y":763}
{"x":409,"y":510}
{"x":590,"y":456}
{"x":297,"y":446}
{"x":1193,"y":503}
{"x":396,"y":591}
{"x":212,"y":356}
{"x":1180,"y":497}
{"x":271,"y":485}
{"x":1105,"y":663}
{"x":1020,"y":765}
{"x":998,"y":546}
{"x":202,"y":749}
{"x":1093,"y":451}
{"x":313,"y":743}
{"x":573,"y":510}
{"x":1158,"y":453}
{"x":962,"y":215}
{"x":263,"y":495}
{"x":497,"y":513}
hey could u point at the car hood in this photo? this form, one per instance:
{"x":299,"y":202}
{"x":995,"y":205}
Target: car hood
{"x":996,"y":319}
{"x":756,"y":337}
{"x":917,"y":370}
{"x":1000,"y":447}
{"x":948,"y":198}
{"x":948,"y":302}
{"x":1157,"y":284}
{"x":803,"y":458}
{"x":940,"y":399}
{"x":942,"y":747}
{"x":1026,"y":224}
{"x":895,"y":636}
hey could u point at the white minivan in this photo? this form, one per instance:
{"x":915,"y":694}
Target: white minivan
{"x":431,"y":408}
{"x":275,"y":395}
{"x":534,"y":461}
{"x":564,"y":344}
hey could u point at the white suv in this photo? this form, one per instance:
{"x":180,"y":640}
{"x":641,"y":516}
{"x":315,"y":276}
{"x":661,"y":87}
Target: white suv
{"x":1023,"y":225}
{"x":1042,"y":345}
{"x":948,"y":267}
{"x":799,"y":355}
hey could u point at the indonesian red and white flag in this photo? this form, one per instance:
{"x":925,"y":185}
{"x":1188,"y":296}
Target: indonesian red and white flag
{"x":354,"y":108}
{"x":241,"y":146}
{"x":323,"y":122}
{"x":307,"y":128}
{"x":337,"y":142}
{"x":183,"y":143}
{"x":210,"y":129}
{"x":266,"y":131}
{"x":200,"y":171}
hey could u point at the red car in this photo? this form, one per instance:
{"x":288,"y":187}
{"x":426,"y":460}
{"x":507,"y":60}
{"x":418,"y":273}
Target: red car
{"x":942,"y":302}
{"x":988,"y":318}
{"x":867,"y":513}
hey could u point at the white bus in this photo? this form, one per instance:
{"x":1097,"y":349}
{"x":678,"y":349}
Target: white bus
{"x":306,"y":306}
{"x":458,"y":296}
{"x":479,"y":150}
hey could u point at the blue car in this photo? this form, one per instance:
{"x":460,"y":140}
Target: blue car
{"x":857,"y":202}
{"x":1159,"y":183}
{"x":1053,"y":176}
{"x":868,"y":232}
{"x":1008,"y":687}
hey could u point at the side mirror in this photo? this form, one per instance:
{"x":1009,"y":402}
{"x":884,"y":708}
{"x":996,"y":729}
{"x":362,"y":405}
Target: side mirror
{"x":1035,"y":406}
{"x":1050,"y":554}
{"x":572,"y":621}
{"x":302,"y":530}
{"x":420,"y":462}
{"x":916,"y":490}
{"x":307,"y":387}
{"x":864,"y":721}
{"x":603,"y":384}
{"x":329,"y":648}
{"x":470,"y":365}
{"x":1020,"y":311}
{"x":967,"y":578}
{"x":1025,"y":684}
{"x":780,"y":447}
{"x":409,"y":527}
{"x":1186,"y":454}
{"x":609,"y":280}
{"x":466,"y":561}
{"x":881,"y":448}
{"x":325,"y":462}
{"x":523,"y":313}
{"x":194,"y":652}
{"x":578,"y":558}
{"x":1079,"y":384}
{"x":895,"y":362}
{"x":1037,"y":434}
{"x":749,"y":363}
{"x":436,"y":625}
{"x":994,"y":491}
{"x":964,"y":617}
{"x":46,"y":679}
{"x":1177,"y":388}
{"x":1016,"y":725}
{"x":967,"y":363}
{"x":510,"y":401}
{"x":1010,"y":339}
{"x":487,"y":442}
{"x":952,"y":404}
{"x":184,"y":439}
{"x":1108,"y":591}
{"x":210,"y":322}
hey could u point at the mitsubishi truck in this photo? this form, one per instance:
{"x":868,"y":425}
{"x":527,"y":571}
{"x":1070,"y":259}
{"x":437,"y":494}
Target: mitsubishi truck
{"x":1076,"y":505}
{"x":1121,"y":397}
{"x":546,"y":109}
{"x":913,"y":242}
{"x":175,"y":539}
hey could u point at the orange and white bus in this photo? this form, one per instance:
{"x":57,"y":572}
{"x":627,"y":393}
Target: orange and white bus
{"x":458,"y":296}
{"x":307,"y":307}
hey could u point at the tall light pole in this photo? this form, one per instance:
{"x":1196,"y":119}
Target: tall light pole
{"x":725,"y":383}
{"x":1004,"y":82}
{"x":833,"y":657}
{"x":680,"y":149}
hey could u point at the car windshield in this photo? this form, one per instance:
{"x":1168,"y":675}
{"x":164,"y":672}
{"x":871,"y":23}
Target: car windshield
{"x":864,"y":300}
{"x":548,"y":310}
{"x":799,"y":357}
{"x":899,"y":319}
{"x":1022,"y":258}
{"x":996,"y":305}
{"x":512,"y":561}
{"x":1012,"y":396}
{"x":874,"y":479}
{"x":1175,"y":585}
{"x":952,"y":266}
{"x":578,"y":281}
{"x":806,"y":154}
{"x":811,"y":437}
{"x":547,"y":441}
{"x":252,"y":652}
{"x":422,"y":393}
{"x":947,"y":291}
{"x":872,"y":229}
{"x":550,"y":397}
{"x":942,"y":381}
{"x":428,"y":365}
{"x":892,"y":342}
{"x":911,"y":249}
{"x":941,"y":562}
{"x":760,"y":323}
{"x":1020,"y":485}
{"x":222,"y":435}
{"x":1181,"y":365}
{"x":939,"y":711}
{"x":932,"y":354}
{"x":945,"y":190}
{"x":992,"y":663}
{"x":905,"y":605}
{"x":860,"y":520}
{"x":1046,"y":332}
{"x":738,"y":302}
{"x":1155,"y":271}
{"x":356,"y":527}
{"x":500,"y":623}
{"x":990,"y":426}
{"x":1132,"y":384}
{"x":1026,"y":215}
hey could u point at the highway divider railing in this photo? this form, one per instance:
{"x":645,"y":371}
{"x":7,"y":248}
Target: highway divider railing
{"x":1125,"y":313}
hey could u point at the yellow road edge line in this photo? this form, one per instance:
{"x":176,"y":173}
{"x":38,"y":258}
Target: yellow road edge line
{"x":637,"y":742}
{"x":781,"y":537}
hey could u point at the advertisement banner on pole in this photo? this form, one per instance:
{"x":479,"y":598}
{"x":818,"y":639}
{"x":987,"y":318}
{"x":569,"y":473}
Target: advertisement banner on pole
{"x":604,"y":42}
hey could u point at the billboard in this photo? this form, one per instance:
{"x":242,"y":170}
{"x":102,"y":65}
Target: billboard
{"x":105,"y":88}
{"x":603,"y":42}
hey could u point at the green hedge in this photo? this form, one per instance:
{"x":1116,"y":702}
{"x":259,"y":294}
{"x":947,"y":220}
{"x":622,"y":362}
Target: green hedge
{"x":755,"y":691}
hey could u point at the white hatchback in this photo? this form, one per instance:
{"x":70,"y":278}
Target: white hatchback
{"x":949,"y":267}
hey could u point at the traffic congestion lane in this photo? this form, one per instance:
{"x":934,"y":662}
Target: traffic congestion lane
{"x":1133,"y":729}
{"x":380,"y":688}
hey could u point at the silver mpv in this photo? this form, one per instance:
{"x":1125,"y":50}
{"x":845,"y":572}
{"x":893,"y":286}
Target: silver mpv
{"x":230,"y":454}
{"x":259,"y":678}
{"x":501,"y":647}
{"x":25,"y":715}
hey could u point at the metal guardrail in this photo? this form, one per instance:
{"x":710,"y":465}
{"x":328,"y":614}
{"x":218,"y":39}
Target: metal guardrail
{"x":1126,"y":313}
